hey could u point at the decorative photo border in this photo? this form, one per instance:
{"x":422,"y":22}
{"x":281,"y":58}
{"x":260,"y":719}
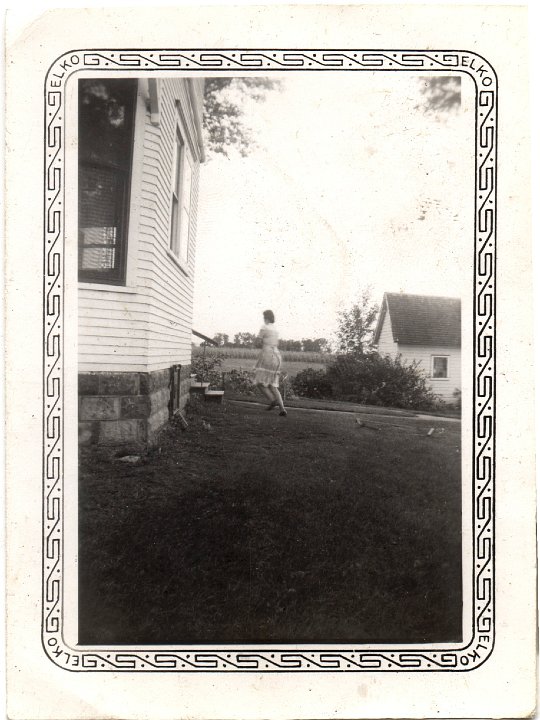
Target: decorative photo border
{"x":272,"y":659}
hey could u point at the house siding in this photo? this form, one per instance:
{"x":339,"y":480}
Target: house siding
{"x":146,"y":326}
{"x":130,"y":336}
{"x":444,"y":388}
{"x":386,"y":344}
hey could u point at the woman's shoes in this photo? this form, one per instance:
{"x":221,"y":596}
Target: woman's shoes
{"x":272,"y":405}
{"x":283,"y":413}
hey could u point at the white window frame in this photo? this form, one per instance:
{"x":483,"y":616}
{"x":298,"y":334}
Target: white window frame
{"x":181,"y":196}
{"x":445,"y":357}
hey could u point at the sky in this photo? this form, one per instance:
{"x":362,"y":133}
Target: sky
{"x":351,"y":186}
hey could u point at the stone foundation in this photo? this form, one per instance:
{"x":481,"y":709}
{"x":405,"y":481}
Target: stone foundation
{"x":126,"y":408}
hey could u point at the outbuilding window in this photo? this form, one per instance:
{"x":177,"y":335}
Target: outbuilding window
{"x":106,"y":123}
{"x":439,"y":367}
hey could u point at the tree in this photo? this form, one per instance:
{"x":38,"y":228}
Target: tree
{"x":316,"y":345}
{"x":325,"y":346}
{"x":224,"y":120}
{"x":442,"y":94}
{"x":222,"y":339}
{"x":357,"y":325}
{"x":290,"y":345}
{"x":245,"y":340}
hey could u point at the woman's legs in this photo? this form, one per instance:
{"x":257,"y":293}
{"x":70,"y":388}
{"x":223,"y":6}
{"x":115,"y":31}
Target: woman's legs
{"x":276,"y":395}
{"x":266,"y":391}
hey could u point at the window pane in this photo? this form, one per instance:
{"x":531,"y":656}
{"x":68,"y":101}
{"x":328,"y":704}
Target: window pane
{"x":440,"y":367}
{"x":186,"y":184}
{"x":105,"y":121}
{"x":98,"y":258}
{"x":99,"y":189}
{"x":184,"y":235}
{"x":186,"y":204}
{"x":174,"y":225}
{"x":181,"y":201}
{"x":177,"y":161}
{"x":106,"y":114}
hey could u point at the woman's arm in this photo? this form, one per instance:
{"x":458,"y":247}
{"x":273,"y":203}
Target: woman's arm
{"x":260,"y":337}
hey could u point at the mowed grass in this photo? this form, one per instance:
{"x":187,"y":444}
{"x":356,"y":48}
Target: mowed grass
{"x":309,"y":528}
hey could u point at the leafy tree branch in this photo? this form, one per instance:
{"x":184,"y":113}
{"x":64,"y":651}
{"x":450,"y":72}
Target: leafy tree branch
{"x":224,"y":120}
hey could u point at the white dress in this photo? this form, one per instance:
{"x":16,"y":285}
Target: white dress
{"x":268,"y":365}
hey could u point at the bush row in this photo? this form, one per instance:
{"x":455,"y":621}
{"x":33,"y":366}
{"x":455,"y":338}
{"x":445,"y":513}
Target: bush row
{"x":369,"y":379}
{"x":373,"y":379}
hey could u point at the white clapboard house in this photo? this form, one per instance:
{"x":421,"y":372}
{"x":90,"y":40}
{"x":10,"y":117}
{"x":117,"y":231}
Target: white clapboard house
{"x":140,"y":148}
{"x":427,"y":330}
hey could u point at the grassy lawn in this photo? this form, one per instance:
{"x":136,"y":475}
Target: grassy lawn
{"x":309,"y":528}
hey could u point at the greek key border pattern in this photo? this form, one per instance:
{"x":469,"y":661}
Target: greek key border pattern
{"x":480,"y":643}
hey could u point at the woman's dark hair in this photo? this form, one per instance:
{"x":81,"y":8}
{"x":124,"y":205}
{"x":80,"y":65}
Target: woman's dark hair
{"x":269,"y":316}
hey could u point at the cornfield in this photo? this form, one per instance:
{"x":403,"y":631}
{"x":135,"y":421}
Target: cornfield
{"x":252,"y":354}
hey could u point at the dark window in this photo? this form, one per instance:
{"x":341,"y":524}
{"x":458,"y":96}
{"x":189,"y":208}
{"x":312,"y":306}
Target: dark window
{"x":439,"y":366}
{"x":106,"y":122}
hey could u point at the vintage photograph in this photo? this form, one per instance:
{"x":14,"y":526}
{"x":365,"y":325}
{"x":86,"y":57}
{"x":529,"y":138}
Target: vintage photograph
{"x":269,"y":363}
{"x":275,"y":279}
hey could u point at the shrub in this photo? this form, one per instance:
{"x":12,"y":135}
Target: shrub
{"x":240,"y":381}
{"x":311,"y":383}
{"x":207,"y":368}
{"x":373,"y":379}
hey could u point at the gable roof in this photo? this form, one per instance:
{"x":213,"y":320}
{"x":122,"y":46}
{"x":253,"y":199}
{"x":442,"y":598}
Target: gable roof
{"x":421,"y":319}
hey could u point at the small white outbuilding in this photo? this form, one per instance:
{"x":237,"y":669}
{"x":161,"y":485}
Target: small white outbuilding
{"x":427,"y":330}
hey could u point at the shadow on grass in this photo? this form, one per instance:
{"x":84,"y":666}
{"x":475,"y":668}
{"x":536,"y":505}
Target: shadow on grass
{"x":266,"y":529}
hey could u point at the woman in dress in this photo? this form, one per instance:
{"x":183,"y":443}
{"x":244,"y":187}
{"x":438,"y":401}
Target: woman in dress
{"x":268,"y":365}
